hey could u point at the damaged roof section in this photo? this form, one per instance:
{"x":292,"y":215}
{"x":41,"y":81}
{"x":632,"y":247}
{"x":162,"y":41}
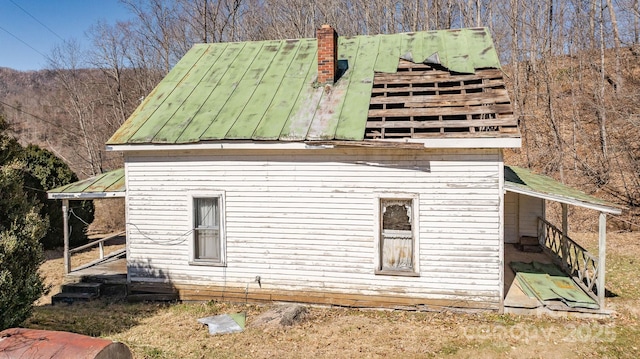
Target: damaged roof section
{"x":426,"y":101}
{"x":267,"y":90}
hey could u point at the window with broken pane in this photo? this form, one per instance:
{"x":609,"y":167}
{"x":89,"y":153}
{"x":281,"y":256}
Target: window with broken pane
{"x":396,"y":235}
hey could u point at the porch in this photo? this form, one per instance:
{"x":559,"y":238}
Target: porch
{"x":563,"y":277}
{"x":96,"y":269}
{"x":107,"y":185}
{"x":107,"y":264}
{"x":578,"y":279}
{"x":100,"y":266}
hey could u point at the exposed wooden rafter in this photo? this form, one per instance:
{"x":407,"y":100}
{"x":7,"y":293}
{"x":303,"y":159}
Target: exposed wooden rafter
{"x":421,"y":101}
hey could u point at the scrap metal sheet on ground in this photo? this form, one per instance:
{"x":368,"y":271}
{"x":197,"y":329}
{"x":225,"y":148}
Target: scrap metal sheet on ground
{"x":225,"y":323}
{"x":547,"y":282}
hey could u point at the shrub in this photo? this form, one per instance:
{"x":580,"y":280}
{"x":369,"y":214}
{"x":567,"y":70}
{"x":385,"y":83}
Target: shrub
{"x":52,"y":172}
{"x":21,"y":228}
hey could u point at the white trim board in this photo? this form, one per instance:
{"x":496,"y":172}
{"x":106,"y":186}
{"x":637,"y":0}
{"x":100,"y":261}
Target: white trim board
{"x":431,"y":143}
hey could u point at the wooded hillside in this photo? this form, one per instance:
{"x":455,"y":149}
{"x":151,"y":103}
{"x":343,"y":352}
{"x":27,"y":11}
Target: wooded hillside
{"x":573,"y":72}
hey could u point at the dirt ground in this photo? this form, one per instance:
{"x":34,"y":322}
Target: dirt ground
{"x":157,"y":330}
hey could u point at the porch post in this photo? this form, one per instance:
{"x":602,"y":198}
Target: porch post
{"x":65,"y":221}
{"x":565,"y":223}
{"x":602,"y":257}
{"x":565,"y":235}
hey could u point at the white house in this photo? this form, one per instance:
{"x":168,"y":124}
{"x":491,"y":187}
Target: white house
{"x":360,"y":171}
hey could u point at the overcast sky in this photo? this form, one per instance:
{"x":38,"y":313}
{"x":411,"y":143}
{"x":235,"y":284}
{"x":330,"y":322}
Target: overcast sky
{"x":29,"y":29}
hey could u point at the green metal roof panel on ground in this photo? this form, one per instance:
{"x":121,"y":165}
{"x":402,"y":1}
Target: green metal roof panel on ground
{"x":518,"y":179}
{"x":266,"y":90}
{"x":548,"y":283}
{"x":108,"y":184}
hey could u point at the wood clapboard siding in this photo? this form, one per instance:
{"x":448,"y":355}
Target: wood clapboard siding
{"x":511,"y":218}
{"x":530,"y":208}
{"x":305,"y":220}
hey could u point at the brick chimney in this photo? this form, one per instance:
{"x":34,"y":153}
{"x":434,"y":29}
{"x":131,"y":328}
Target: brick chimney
{"x":327,"y":55}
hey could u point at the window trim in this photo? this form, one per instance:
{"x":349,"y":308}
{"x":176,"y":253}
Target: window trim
{"x":191,"y":224}
{"x":415,"y":232}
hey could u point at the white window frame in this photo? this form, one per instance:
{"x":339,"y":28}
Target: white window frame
{"x":220,"y":195}
{"x":415,"y":229}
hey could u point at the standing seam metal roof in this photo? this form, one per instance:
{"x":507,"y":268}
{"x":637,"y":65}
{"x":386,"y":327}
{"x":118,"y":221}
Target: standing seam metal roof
{"x":522,"y":180}
{"x":266,"y":90}
{"x":108,"y":184}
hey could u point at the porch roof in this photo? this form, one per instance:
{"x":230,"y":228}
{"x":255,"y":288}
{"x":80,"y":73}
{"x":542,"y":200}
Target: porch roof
{"x":108,"y":184}
{"x":523,"y":181}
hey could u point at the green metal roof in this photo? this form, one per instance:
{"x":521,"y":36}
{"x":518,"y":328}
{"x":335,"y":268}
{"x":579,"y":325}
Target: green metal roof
{"x":266,"y":90}
{"x":524,"y":181}
{"x":108,"y":184}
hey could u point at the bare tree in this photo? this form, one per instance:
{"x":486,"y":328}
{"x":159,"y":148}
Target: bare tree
{"x":160,"y":31}
{"x":616,"y":45}
{"x":66,"y":63}
{"x":108,"y":54}
{"x":603,"y":85}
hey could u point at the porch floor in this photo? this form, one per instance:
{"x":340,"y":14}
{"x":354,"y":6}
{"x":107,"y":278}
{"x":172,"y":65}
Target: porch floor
{"x":111,"y":270}
{"x":517,"y":302}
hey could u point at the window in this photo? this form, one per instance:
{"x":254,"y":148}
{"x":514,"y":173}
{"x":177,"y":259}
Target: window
{"x":208,"y":231}
{"x":396,"y":238}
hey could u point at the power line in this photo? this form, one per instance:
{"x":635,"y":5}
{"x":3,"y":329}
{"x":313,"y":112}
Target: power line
{"x":38,"y":21}
{"x":22,"y":41}
{"x":38,"y":118}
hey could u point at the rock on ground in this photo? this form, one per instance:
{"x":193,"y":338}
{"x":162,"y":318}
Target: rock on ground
{"x":280,"y":316}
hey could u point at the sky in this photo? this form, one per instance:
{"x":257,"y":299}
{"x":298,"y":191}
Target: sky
{"x":30,"y":29}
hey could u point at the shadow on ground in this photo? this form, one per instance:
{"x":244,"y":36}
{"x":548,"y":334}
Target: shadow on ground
{"x":98,"y":318}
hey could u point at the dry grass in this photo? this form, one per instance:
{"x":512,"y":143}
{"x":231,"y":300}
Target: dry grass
{"x":170,"y":331}
{"x":155,"y":330}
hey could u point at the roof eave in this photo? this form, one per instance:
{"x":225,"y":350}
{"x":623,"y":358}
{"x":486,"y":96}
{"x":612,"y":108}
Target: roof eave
{"x":432,"y":143}
{"x":561,"y":199}
{"x":254,"y":145}
{"x":84,"y":195}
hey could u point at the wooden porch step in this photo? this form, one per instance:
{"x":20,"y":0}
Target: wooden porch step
{"x":89,"y":288}
{"x":531,"y":249}
{"x":86,"y":290}
{"x":529,"y":241}
{"x":77,"y":292}
{"x":70,"y":298}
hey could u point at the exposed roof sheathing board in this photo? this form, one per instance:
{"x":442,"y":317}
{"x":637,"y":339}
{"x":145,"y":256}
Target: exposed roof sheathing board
{"x":425,"y":101}
{"x":266,"y":90}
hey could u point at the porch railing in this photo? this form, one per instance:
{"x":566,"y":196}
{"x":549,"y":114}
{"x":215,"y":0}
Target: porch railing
{"x":100,"y":243}
{"x":573,"y":258}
